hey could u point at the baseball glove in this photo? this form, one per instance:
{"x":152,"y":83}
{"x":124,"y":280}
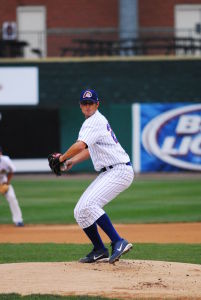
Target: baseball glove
{"x":4,"y":188}
{"x":54,"y":163}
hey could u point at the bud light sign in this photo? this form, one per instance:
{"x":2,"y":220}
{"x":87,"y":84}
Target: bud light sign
{"x":167,"y":137}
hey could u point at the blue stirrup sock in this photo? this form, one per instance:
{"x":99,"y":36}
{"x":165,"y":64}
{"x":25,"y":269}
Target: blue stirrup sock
{"x":106,"y":225}
{"x":93,"y":235}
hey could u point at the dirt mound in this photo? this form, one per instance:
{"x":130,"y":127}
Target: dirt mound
{"x":126,"y":279}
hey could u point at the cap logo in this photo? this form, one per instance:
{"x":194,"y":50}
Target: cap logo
{"x":87,"y":94}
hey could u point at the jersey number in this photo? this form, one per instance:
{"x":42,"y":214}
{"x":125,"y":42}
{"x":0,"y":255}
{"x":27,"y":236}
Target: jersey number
{"x":112,"y":133}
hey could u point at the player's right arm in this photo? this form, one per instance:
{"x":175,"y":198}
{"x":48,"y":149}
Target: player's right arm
{"x":9,"y":176}
{"x":68,"y":164}
{"x":76,"y":148}
{"x":10,"y":169}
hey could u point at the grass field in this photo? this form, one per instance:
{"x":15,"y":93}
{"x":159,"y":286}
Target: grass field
{"x":51,"y":201}
{"x":146,"y":201}
{"x":47,"y":297}
{"x":152,"y":201}
{"x":11,"y":253}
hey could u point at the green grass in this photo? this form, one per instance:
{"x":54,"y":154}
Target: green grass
{"x":52,"y":297}
{"x":46,"y":297}
{"x":153,"y":201}
{"x":12,"y":253}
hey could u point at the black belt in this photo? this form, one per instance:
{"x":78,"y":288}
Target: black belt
{"x":111,"y":167}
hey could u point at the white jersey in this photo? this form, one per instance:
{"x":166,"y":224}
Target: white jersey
{"x":6,"y":166}
{"x":104,"y":148}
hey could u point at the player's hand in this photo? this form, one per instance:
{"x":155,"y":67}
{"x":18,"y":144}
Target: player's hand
{"x":67,"y":165}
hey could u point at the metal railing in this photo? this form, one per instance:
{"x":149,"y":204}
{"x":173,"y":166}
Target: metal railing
{"x":105,"y":41}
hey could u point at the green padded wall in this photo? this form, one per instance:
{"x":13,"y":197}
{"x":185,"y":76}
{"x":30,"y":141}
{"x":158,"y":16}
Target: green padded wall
{"x":118,"y":81}
{"x":121,"y":81}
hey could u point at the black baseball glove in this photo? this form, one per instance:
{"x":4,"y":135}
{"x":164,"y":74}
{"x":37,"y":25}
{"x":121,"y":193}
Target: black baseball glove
{"x":54,"y":163}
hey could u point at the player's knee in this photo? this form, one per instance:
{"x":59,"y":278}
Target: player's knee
{"x":81,"y":213}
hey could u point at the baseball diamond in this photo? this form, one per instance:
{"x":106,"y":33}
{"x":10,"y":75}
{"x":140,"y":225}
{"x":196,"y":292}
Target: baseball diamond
{"x":127,"y":279}
{"x":42,"y":259}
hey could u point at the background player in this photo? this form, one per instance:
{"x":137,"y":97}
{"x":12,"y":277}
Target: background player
{"x":6,"y":172}
{"x":97,"y":140}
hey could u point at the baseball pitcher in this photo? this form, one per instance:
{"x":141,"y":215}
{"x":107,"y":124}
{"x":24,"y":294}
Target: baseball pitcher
{"x":6,"y":172}
{"x":97,"y":141}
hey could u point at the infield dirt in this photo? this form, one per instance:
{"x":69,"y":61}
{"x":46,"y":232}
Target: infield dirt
{"x":139,"y":233}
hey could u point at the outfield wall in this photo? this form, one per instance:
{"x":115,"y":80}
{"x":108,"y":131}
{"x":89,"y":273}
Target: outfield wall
{"x":32,"y":131}
{"x":117,"y":80}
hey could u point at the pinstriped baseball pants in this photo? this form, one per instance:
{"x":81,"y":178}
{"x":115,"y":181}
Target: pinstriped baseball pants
{"x":102,"y":190}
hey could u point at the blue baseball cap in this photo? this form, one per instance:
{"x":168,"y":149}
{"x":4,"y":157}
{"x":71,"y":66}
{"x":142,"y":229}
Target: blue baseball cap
{"x":89,"y":95}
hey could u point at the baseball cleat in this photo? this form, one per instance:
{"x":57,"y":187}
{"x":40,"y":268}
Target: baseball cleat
{"x":119,"y":248}
{"x":95,"y":255}
{"x":20,"y":224}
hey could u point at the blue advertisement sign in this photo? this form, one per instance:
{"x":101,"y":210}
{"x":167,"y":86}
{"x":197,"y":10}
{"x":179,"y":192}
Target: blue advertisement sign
{"x":167,"y":137}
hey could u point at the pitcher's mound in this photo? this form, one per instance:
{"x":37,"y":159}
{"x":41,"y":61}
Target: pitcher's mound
{"x":126,"y":279}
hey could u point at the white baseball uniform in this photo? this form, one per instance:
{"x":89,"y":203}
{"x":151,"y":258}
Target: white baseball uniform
{"x":6,"y":166}
{"x":105,"y":151}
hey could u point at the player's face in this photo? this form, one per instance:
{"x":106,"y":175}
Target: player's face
{"x":89,"y":108}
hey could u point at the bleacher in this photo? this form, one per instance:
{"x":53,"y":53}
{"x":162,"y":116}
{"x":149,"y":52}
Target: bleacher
{"x":135,"y":46}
